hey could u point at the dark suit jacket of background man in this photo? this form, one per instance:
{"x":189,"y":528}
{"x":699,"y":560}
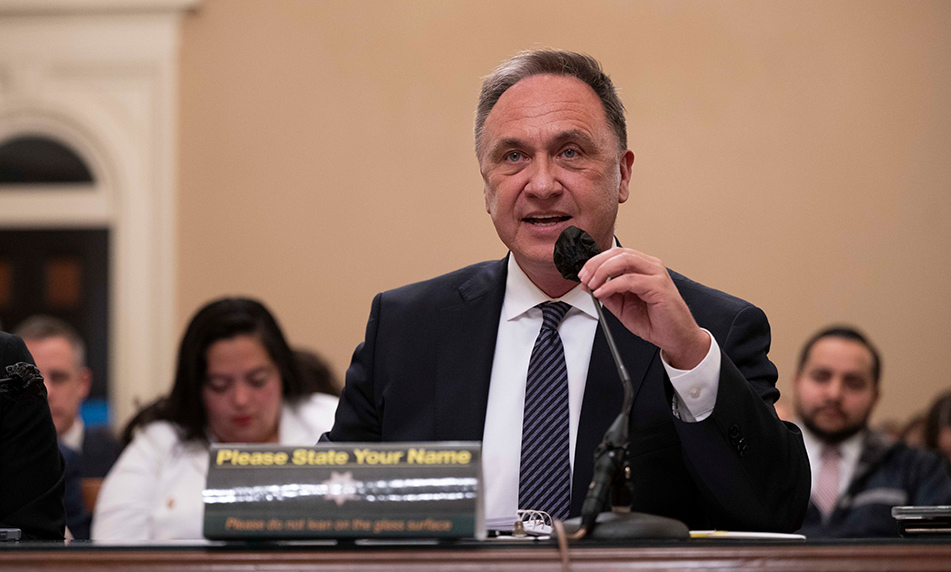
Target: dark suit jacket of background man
{"x":31,"y":467}
{"x":100,"y":451}
{"x":422,"y":374}
{"x":887,"y":474}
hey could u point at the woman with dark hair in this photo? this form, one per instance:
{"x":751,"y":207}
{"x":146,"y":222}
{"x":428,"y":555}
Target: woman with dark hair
{"x":938,"y":426}
{"x":236,"y":382}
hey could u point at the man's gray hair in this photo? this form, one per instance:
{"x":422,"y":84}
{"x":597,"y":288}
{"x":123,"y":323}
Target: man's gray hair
{"x":41,"y":327}
{"x":556,"y":62}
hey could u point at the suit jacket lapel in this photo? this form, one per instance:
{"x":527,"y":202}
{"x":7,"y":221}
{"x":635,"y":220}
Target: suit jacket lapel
{"x":466,"y":352}
{"x":603,"y":395}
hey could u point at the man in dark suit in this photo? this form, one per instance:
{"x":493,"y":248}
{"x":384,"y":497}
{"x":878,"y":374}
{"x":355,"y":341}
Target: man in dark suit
{"x":60,"y":353}
{"x":451,"y":358}
{"x":859,"y":474}
{"x":31,"y":468}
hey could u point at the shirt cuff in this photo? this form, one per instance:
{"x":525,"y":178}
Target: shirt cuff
{"x":695,"y":390}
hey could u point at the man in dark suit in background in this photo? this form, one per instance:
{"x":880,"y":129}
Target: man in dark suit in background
{"x":61,"y":356}
{"x":454,"y":358}
{"x":859,"y":474}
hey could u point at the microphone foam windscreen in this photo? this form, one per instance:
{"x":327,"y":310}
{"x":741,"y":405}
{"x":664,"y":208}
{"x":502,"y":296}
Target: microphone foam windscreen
{"x":573,"y":248}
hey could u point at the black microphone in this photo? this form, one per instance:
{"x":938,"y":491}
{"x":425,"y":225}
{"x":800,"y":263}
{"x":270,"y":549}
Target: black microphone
{"x":23,"y":379}
{"x":573,"y":249}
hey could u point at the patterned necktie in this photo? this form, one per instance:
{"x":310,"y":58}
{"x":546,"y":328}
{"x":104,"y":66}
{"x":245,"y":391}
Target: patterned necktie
{"x":545,"y":468}
{"x":827,"y":481}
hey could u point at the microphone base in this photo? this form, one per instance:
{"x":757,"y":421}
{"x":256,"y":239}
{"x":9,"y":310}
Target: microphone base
{"x":630,"y":525}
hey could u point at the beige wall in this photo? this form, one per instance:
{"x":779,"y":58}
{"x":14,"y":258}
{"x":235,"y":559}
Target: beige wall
{"x":796,"y":154}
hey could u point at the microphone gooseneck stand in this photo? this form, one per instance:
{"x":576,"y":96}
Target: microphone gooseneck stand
{"x":612,"y":470}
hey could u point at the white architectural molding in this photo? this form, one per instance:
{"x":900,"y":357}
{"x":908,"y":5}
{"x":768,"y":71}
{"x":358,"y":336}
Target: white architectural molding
{"x":85,"y":7}
{"x":86,"y":205}
{"x":101,"y":76}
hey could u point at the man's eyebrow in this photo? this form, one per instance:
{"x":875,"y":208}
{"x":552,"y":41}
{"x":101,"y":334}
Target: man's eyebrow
{"x":574,"y":135}
{"x":506,"y":143}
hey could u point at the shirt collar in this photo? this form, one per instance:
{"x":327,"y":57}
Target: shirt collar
{"x":849,"y":449}
{"x":521,"y":294}
{"x":73,"y":438}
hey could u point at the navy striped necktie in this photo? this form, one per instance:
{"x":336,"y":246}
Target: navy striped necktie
{"x":545,"y":467}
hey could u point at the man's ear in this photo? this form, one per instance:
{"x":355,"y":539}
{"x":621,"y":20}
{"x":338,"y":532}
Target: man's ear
{"x":624,"y":188}
{"x":485,"y":195}
{"x":85,"y":381}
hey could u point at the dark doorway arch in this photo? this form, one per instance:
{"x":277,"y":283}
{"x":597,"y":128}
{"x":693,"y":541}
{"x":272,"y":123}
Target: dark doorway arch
{"x":34,"y":159}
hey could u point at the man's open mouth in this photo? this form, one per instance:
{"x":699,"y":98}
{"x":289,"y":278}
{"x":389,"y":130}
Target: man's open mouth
{"x":546,"y":220}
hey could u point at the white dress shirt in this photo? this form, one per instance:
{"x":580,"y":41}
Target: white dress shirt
{"x":850,"y":449}
{"x":519,"y":324}
{"x":154,"y":491}
{"x":73,"y":437}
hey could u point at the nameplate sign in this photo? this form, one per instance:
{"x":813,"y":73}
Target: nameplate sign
{"x":352,"y":490}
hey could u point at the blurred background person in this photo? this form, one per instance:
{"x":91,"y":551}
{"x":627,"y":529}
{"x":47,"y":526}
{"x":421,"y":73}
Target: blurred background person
{"x":236,"y":381}
{"x":890,"y":429}
{"x":60,"y":353}
{"x":913,"y":433}
{"x":31,"y":467}
{"x":937,"y":431}
{"x":858,"y":474}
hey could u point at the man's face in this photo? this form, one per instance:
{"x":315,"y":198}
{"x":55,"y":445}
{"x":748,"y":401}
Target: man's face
{"x":550,"y":160}
{"x":67,"y":381}
{"x":835,"y":391}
